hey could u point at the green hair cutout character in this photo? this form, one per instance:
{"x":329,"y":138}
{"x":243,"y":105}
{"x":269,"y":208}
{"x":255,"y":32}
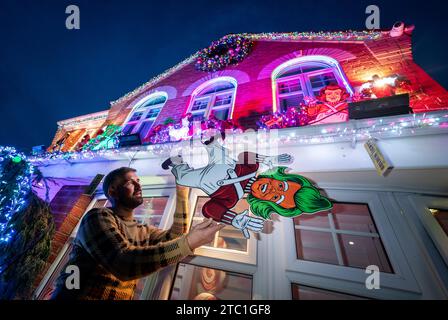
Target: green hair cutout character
{"x":305,"y":198}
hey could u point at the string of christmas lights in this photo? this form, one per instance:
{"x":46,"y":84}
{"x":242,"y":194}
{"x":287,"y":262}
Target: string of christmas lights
{"x":15,"y":186}
{"x":298,"y":36}
{"x":354,"y":130}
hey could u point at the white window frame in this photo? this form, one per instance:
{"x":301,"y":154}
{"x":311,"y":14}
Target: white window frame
{"x":306,"y":85}
{"x":422,"y":204}
{"x":343,"y":279}
{"x":248,"y":257}
{"x":140,"y":107}
{"x":211,"y":97}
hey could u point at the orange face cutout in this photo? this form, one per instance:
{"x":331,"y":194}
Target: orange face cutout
{"x":333,"y":96}
{"x":279,"y":192}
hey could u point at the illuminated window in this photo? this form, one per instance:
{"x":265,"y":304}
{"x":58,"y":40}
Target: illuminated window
{"x":441,"y":217}
{"x":201,"y":283}
{"x":151,"y":211}
{"x":345,"y":235}
{"x":214,"y":98}
{"x":300,"y":292}
{"x":144,"y":115}
{"x":228,"y":238}
{"x":305,"y":77}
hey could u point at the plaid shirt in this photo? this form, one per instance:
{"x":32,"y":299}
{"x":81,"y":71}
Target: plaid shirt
{"x":112,"y":253}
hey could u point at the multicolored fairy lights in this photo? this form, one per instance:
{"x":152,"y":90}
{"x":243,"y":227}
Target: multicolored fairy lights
{"x":355,"y":130}
{"x":15,"y":186}
{"x":284,"y":36}
{"x":229,"y":50}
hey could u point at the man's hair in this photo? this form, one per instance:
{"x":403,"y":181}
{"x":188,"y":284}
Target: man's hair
{"x":307,"y":199}
{"x":113,"y":176}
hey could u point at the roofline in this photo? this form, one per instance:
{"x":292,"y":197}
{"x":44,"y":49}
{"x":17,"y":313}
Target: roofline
{"x":322,"y":36}
{"x":83,"y":117}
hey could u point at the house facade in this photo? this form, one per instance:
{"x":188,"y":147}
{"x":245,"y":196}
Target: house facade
{"x":386,"y":236}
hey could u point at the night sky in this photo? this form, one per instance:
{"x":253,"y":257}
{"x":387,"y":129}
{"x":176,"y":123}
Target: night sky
{"x":49,"y":73}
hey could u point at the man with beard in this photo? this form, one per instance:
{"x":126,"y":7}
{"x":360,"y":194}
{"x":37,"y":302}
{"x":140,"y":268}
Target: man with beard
{"x":112,"y":251}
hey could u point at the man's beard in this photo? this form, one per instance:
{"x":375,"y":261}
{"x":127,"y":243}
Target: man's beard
{"x":132,"y":202}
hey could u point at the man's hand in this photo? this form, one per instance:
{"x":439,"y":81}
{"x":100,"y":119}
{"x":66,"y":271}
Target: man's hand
{"x":203,"y":233}
{"x":246,"y":223}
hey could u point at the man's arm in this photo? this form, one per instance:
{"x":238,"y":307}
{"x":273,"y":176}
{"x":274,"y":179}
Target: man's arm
{"x":99,"y":234}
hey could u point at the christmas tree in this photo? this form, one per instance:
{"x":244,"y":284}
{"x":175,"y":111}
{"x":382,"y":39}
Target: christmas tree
{"x":26,"y":227}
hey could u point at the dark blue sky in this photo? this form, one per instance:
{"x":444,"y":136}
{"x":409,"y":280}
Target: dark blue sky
{"x":49,"y":73}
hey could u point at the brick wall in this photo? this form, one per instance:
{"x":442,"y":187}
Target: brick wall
{"x":67,"y":207}
{"x":359,"y":61}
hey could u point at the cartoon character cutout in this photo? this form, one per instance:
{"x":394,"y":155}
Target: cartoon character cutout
{"x":226,"y":180}
{"x":331,"y":106}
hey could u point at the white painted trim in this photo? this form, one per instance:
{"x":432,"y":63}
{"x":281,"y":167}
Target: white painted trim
{"x":248,"y":257}
{"x":332,"y":63}
{"x":209,"y":83}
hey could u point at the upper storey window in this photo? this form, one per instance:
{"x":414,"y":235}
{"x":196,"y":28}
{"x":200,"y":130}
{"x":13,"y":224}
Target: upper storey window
{"x":304,"y":77}
{"x":144,"y":114}
{"x":216,"y":98}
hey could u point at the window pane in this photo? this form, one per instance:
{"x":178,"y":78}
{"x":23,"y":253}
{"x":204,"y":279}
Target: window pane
{"x":144,"y":128}
{"x":151,"y":211}
{"x":360,"y":252}
{"x":197,"y":116}
{"x":318,"y":220}
{"x":128,"y":129}
{"x":442,"y":218}
{"x":357,"y":237}
{"x":200,"y":105}
{"x":315,"y":246}
{"x":223,"y":99}
{"x":200,"y":283}
{"x":300,"y":292}
{"x":222,"y":114}
{"x":153,"y":102}
{"x":291,"y":101}
{"x":302,"y":68}
{"x":136,"y":116}
{"x":290,"y":86}
{"x":353,"y":217}
{"x":217,"y":87}
{"x":153,"y":113}
{"x":229,"y":237}
{"x":322,"y":80}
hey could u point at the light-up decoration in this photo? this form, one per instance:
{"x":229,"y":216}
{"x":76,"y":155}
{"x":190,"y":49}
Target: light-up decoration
{"x":15,"y":186}
{"x":294,"y":36}
{"x":107,"y":140}
{"x":331,"y":106}
{"x":383,"y":87}
{"x":332,"y":63}
{"x":229,"y":50}
{"x":180,"y":133}
{"x":354,"y":130}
